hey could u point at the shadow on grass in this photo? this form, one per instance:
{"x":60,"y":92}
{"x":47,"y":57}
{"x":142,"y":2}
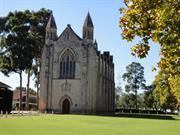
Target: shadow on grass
{"x":141,"y":116}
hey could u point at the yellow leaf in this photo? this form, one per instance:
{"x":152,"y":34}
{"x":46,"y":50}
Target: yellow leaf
{"x":126,"y":1}
{"x":154,"y":37}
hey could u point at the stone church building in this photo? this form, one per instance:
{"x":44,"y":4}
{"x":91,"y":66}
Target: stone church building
{"x":75,"y":77}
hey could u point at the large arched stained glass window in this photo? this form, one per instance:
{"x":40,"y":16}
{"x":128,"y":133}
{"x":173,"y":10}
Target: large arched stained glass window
{"x":67,"y":65}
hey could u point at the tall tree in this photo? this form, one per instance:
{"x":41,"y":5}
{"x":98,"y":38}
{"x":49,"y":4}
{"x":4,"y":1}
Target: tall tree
{"x":175,"y":88}
{"x":15,"y":33}
{"x":42,"y":17}
{"x":22,"y":39}
{"x":157,"y":20}
{"x":162,"y":91}
{"x":134,"y":77}
{"x":29,"y":73}
{"x":148,"y":97}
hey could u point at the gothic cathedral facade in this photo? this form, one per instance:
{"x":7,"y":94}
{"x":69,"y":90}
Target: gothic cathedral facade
{"x":75,"y":77}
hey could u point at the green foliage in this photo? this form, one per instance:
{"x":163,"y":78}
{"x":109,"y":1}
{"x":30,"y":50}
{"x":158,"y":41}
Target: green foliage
{"x":15,"y":32}
{"x":141,"y":100}
{"x":156,"y":20}
{"x":148,"y":98}
{"x":134,"y":78}
{"x":162,"y":91}
{"x":118,"y":93}
{"x":175,"y":88}
{"x":127,"y":101}
{"x":22,"y":37}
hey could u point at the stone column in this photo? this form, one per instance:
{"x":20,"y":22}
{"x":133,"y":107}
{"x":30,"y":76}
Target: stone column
{"x":113,"y":87}
{"x":98,"y":90}
{"x":100,"y":84}
{"x":103,"y":84}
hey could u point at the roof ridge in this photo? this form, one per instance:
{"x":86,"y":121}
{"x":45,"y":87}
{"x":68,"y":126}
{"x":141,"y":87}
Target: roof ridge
{"x":69,"y":27}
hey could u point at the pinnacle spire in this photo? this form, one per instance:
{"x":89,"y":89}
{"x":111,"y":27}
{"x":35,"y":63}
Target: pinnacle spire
{"x":51,"y":22}
{"x":95,"y":42}
{"x":88,"y":21}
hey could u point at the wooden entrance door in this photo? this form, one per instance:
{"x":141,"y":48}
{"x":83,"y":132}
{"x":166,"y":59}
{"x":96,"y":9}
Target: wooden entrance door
{"x":66,"y":106}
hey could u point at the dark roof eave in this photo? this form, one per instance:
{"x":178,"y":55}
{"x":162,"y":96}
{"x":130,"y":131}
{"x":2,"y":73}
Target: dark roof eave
{"x":3,"y":85}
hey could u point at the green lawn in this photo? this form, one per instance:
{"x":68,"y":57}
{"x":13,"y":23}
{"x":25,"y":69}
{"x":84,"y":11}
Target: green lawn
{"x":86,"y":125}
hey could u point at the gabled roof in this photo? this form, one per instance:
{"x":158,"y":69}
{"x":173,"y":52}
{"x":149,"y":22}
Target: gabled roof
{"x":51,"y":22}
{"x":68,"y":29}
{"x":88,"y":21}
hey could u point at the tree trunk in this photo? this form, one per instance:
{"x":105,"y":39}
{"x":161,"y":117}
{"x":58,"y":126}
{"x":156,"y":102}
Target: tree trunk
{"x":27,"y":90}
{"x":136,"y":99}
{"x":20,"y":91}
{"x":38,"y":95}
{"x":136,"y":106}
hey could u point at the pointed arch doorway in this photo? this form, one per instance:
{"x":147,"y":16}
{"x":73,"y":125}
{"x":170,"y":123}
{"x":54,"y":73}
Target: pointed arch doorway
{"x":66,"y":106}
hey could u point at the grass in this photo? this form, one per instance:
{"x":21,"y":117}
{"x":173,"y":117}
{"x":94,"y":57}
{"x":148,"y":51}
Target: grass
{"x":87,"y":125}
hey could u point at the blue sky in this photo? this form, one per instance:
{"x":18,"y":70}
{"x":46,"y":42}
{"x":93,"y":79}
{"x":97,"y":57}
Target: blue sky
{"x":105,"y":16}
